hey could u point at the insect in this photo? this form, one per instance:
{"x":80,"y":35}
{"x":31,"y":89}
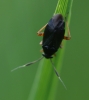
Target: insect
{"x":53,"y":34}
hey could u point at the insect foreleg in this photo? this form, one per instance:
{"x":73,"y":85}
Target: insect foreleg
{"x":40,"y":33}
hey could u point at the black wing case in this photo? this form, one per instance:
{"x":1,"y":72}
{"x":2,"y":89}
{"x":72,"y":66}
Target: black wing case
{"x":53,"y":36}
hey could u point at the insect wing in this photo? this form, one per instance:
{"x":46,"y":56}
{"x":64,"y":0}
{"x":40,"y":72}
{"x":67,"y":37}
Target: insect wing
{"x":48,"y":33}
{"x":53,"y":35}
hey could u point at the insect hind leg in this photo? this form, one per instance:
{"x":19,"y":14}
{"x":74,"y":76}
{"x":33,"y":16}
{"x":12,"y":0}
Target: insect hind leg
{"x":69,"y":36}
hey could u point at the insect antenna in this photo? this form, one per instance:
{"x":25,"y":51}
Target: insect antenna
{"x":30,"y":63}
{"x":57,"y":73}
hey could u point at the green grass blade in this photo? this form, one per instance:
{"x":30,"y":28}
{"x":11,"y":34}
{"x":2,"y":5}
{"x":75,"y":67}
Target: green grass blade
{"x":45,"y":82}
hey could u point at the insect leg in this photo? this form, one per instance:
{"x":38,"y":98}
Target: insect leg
{"x":40,"y":33}
{"x":40,"y":43}
{"x":69,"y":36}
{"x":66,"y":16}
{"x":61,"y":45}
{"x":41,"y":50}
{"x":55,"y":54}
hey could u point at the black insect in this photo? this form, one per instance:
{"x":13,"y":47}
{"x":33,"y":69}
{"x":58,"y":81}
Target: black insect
{"x":53,"y":34}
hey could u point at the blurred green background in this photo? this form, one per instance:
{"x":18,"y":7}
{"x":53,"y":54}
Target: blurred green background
{"x":19,"y":44}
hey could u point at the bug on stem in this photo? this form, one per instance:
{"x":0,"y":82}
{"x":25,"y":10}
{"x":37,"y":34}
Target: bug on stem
{"x":53,"y":34}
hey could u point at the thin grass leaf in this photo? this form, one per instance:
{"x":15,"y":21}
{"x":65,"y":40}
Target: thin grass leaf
{"x":45,"y":86}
